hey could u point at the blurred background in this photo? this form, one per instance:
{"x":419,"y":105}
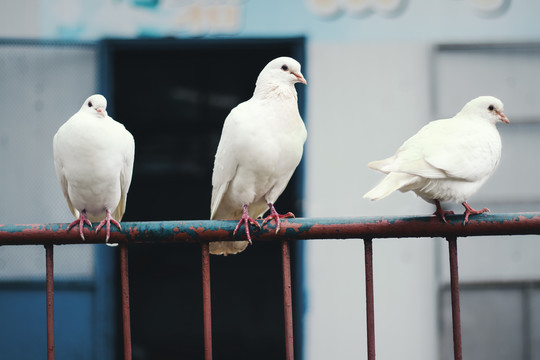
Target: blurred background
{"x":377,"y":70}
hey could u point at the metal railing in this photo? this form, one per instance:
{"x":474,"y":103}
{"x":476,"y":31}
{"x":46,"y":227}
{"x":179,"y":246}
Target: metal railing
{"x":203,"y":232}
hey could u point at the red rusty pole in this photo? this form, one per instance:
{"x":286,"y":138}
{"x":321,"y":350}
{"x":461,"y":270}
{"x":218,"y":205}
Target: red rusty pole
{"x":207,"y":309}
{"x":454,"y":288}
{"x":124,"y":276}
{"x":49,"y":280}
{"x":287,"y":300}
{"x":370,"y":307}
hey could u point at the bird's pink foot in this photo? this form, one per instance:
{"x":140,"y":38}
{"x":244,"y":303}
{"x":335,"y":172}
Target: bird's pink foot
{"x":274,"y":215}
{"x":107,"y":222}
{"x":246,"y":220}
{"x":470,"y":211}
{"x":81,"y":221}
{"x":439,"y":212}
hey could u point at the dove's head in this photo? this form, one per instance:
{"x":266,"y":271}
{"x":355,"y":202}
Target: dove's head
{"x":282,"y":72}
{"x":95,"y":104}
{"x":486,"y":107}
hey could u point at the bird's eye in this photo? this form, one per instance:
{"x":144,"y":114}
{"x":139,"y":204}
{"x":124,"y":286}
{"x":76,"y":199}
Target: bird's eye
{"x":285,"y":68}
{"x":89,"y":104}
{"x":491,"y":107}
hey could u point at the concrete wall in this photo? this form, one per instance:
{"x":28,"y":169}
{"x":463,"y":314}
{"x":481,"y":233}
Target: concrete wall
{"x":363,"y":101}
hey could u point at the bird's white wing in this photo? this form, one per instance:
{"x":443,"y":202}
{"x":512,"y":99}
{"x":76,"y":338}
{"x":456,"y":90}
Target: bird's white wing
{"x":466,"y":150}
{"x":225,"y":163}
{"x":432,"y":154}
{"x":126,"y":172}
{"x":59,"y":167}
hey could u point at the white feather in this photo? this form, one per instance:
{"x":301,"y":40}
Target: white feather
{"x":447,"y":160}
{"x":260,"y":147}
{"x":93,"y":158}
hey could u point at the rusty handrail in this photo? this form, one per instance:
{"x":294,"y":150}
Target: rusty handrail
{"x":204,"y":231}
{"x":199,"y":231}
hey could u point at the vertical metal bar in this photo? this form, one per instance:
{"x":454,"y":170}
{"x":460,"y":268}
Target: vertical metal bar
{"x":207,"y":309}
{"x":124,"y":275}
{"x":370,"y":305}
{"x":49,"y":280}
{"x":527,"y":327}
{"x":454,"y":289}
{"x":287,"y":300}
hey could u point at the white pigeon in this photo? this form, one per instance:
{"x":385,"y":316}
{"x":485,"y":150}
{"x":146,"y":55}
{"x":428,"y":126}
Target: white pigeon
{"x":93,"y":157}
{"x":260,"y":147}
{"x":447,"y":160}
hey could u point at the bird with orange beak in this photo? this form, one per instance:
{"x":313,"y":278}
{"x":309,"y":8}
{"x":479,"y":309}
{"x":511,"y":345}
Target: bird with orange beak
{"x":260,"y":147}
{"x":447,"y":160}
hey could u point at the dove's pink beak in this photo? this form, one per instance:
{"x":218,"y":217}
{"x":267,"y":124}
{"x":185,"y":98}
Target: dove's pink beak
{"x":101,"y":111}
{"x":503,"y":118}
{"x":300,"y":78}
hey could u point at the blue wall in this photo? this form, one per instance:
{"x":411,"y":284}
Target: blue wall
{"x":407,"y":20}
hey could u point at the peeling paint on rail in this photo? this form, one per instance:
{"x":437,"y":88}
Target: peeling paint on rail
{"x":197,"y":231}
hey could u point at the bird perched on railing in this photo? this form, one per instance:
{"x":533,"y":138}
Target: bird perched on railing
{"x":93,"y":157}
{"x":260,"y":147}
{"x":447,"y":160}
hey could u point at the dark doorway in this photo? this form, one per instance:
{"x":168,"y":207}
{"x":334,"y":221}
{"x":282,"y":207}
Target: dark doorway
{"x":173,"y":95}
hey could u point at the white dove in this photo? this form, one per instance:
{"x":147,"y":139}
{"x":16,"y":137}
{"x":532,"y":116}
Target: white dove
{"x":93,"y":157}
{"x":447,"y":160}
{"x":260,"y":147}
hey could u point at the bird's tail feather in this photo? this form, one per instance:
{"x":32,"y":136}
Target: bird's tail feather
{"x":382,"y":165}
{"x":391,"y":183}
{"x":227,"y":247}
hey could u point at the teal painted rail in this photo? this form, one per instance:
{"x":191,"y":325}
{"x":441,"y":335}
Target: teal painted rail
{"x":198,"y":231}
